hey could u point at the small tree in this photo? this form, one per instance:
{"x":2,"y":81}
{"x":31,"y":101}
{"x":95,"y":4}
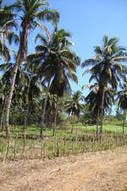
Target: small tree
{"x":74,"y":106}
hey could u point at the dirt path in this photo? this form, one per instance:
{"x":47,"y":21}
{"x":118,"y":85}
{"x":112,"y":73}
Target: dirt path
{"x":105,"y":171}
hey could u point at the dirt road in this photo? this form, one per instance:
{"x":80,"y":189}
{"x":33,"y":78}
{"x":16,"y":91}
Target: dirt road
{"x":101,"y":171}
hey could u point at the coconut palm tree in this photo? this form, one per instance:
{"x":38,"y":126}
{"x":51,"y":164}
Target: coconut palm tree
{"x":93,"y":101}
{"x":56,"y":65}
{"x":29,"y":12}
{"x":74,"y":105}
{"x":107,"y":66}
{"x":122,"y":102}
{"x":64,"y":68}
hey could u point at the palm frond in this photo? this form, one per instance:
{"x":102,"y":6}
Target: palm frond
{"x":49,"y":15}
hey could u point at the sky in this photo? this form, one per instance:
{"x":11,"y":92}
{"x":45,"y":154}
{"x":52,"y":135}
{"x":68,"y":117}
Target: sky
{"x":88,"y":21}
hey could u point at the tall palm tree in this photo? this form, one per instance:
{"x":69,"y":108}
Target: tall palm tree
{"x":56,"y":65}
{"x":29,"y":12}
{"x":122,"y":102}
{"x":64,"y":68}
{"x":107,"y":67}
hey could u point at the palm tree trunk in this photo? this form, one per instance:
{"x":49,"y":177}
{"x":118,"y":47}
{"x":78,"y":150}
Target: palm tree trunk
{"x":55,"y":118}
{"x":9,"y":99}
{"x":97,"y":122}
{"x":20,"y":56}
{"x":2,"y":119}
{"x":124,"y":118}
{"x":25,"y":122}
{"x":102,"y":111}
{"x":73,"y":121}
{"x":44,"y":111}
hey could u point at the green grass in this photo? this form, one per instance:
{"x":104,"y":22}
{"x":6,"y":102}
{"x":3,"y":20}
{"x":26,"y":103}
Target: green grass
{"x":82,"y":140}
{"x":109,"y":127}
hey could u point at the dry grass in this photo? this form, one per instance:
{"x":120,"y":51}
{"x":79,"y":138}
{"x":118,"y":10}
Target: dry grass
{"x":94,"y":170}
{"x":100,"y":171}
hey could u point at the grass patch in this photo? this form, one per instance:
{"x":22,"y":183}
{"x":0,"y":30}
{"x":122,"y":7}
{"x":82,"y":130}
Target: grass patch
{"x":82,"y":139}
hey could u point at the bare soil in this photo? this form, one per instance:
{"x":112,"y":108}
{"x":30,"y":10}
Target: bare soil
{"x":101,"y":171}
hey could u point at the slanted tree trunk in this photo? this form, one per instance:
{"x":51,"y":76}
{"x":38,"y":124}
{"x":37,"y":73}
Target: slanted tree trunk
{"x":9,"y":98}
{"x":102,"y":111}
{"x":2,"y":118}
{"x":55,"y":118}
{"x":124,"y":119}
{"x":20,"y":57}
{"x":44,"y":111}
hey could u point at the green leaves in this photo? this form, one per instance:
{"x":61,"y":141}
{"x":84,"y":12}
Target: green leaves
{"x":49,"y":15}
{"x":73,"y":105}
{"x":56,"y":61}
{"x":107,"y":71}
{"x":94,"y":97}
{"x":106,"y":64}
